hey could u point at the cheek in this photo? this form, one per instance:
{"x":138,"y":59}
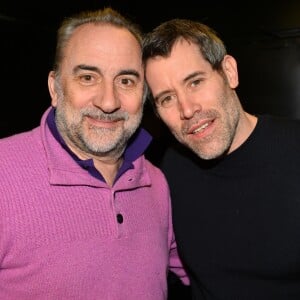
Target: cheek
{"x":133,"y":109}
{"x":133,"y":103}
{"x":79,"y":95}
{"x":79,"y":99}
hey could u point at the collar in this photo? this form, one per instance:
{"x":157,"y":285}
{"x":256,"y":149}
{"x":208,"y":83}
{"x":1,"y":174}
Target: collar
{"x":136,"y":146}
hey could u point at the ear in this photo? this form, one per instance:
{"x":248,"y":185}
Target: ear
{"x":229,"y":66}
{"x":52,"y":89}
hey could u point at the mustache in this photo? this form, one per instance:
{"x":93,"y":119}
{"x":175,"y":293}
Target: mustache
{"x":102,"y":116}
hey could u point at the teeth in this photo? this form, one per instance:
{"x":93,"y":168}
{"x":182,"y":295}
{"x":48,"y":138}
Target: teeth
{"x":200,"y":128}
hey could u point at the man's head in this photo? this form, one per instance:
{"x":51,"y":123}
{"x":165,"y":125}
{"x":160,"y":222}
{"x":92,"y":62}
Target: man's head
{"x":192,"y":82}
{"x":97,"y":84}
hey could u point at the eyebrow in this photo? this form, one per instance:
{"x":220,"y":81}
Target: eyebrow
{"x":130,"y":72}
{"x":97,"y":70}
{"x":190,"y":76}
{"x":87,"y":68}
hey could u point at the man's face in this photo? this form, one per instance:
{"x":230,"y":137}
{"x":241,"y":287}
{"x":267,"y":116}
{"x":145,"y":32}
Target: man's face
{"x":198,"y":104}
{"x":99,"y":93}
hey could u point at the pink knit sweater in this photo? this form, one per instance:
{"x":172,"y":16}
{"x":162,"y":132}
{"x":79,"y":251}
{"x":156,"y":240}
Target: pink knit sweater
{"x":59,"y":233}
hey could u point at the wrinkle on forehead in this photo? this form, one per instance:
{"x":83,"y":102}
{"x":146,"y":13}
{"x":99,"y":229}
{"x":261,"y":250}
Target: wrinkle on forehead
{"x":95,"y":43}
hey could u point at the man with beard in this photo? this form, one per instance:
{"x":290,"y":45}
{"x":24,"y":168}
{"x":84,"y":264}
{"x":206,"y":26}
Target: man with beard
{"x":235,"y":181}
{"x":83,"y":214}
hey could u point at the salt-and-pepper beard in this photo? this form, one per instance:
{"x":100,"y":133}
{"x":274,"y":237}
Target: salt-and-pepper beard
{"x":90,"y":139}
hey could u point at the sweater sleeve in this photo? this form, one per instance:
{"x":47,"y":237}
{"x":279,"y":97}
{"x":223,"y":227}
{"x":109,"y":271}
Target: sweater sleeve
{"x":175,"y":263}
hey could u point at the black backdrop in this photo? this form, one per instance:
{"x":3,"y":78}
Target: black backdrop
{"x":262,"y":35}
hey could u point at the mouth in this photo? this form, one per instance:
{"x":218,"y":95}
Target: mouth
{"x":103,"y":123}
{"x":200,"y":127}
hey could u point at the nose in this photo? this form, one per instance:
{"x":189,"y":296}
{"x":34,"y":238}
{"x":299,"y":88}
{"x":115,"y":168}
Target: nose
{"x":107,"y":99}
{"x":187,"y":107}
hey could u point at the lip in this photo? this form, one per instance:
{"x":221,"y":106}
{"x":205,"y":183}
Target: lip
{"x":102,"y":123}
{"x":202,"y":128}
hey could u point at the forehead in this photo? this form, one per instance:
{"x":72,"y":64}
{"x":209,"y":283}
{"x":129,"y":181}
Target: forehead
{"x":100,"y":43}
{"x":183,"y":46}
{"x":184,"y":59}
{"x":184,"y":51}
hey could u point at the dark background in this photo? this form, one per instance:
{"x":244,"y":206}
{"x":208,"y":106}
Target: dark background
{"x":262,"y":35}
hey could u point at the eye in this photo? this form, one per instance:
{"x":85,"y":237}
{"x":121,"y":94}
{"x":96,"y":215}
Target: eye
{"x":126,"y":82}
{"x":195,"y":83}
{"x":166,"y":100}
{"x":87,"y":79}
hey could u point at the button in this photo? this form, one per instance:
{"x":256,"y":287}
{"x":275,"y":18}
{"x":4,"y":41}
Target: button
{"x":119,"y":218}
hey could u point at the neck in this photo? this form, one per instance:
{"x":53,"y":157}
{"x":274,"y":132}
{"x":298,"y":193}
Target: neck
{"x":245,"y":127}
{"x":107,"y":165}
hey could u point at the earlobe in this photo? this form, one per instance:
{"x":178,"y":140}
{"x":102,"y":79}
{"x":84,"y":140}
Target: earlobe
{"x":51,"y":88}
{"x":230,"y":69}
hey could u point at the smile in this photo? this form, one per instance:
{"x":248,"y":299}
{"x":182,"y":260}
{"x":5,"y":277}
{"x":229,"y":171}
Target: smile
{"x":199,"y":129}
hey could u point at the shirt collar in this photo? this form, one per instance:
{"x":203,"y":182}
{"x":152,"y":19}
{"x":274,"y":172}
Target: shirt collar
{"x":136,"y":146}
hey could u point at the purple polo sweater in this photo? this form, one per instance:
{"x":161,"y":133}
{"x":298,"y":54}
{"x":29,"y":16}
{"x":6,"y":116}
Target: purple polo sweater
{"x":65,"y":234}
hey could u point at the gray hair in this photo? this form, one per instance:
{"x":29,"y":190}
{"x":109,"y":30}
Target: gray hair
{"x":105,"y":16}
{"x":160,"y":41}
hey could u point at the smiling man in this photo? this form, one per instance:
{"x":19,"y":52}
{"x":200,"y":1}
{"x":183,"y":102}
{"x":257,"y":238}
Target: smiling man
{"x":235,"y":185}
{"x":83,"y":214}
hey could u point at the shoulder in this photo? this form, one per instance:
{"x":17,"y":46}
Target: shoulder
{"x":280,"y":128}
{"x":18,"y":138}
{"x":153,"y":170}
{"x":279,"y":123}
{"x":19,"y":145}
